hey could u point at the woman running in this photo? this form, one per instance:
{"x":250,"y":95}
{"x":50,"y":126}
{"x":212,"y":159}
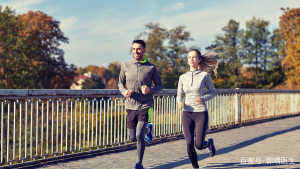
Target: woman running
{"x":195,"y":87}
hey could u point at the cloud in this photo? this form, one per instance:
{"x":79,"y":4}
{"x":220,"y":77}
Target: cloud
{"x":92,"y":51}
{"x":116,"y":27}
{"x":206,"y":23}
{"x":107,"y":37}
{"x":110,"y":37}
{"x":215,"y":17}
{"x":22,"y":6}
{"x":175,"y":7}
{"x":66,"y":24}
{"x":101,"y":41}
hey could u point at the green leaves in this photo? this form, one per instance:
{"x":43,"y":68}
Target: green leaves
{"x":30,"y":56}
{"x":167,"y":50}
{"x":249,"y":57}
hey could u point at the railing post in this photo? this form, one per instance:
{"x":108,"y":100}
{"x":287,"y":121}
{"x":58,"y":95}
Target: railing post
{"x":238,"y":106}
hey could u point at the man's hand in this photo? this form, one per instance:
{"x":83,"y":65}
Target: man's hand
{"x":128,"y":93}
{"x":199,"y":101}
{"x":145,"y":89}
{"x":180,"y":105}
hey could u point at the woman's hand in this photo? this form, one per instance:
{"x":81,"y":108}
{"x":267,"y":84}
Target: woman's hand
{"x":128,"y":93}
{"x":199,"y":101}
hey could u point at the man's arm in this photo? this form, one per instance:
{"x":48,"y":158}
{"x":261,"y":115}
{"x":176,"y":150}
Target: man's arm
{"x":122,"y":81}
{"x":157,"y":82}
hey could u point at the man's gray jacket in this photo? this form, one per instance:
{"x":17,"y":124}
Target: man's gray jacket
{"x":132,"y":76}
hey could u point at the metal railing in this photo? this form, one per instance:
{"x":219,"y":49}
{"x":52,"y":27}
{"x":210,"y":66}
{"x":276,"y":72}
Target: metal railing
{"x":40,"y":124}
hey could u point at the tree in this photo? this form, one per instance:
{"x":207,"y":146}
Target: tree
{"x":227,"y":47}
{"x":290,"y":30}
{"x":8,"y":34}
{"x":112,"y":84}
{"x":249,"y":55}
{"x":113,"y":72}
{"x":102,"y":77}
{"x":167,"y":49}
{"x":94,"y":82}
{"x":275,"y":74}
{"x":256,"y":48}
{"x":114,"y":69}
{"x":30,"y":55}
{"x":100,"y":72}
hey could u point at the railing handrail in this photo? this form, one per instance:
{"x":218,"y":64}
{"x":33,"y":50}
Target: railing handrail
{"x":237,"y":90}
{"x":115,"y":92}
{"x":13,"y":93}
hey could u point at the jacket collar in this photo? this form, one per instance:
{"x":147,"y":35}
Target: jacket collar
{"x":141,"y":62}
{"x":196,"y":71}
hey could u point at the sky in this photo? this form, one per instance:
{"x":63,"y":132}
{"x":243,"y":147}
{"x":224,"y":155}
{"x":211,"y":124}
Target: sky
{"x":101,"y":31}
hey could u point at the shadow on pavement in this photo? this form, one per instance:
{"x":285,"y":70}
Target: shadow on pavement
{"x":255,"y":140}
{"x":229,"y":149}
{"x":239,"y":165}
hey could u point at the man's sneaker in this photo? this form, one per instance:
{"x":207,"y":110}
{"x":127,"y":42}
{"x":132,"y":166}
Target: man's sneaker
{"x":138,"y":166}
{"x":149,"y":131}
{"x":211,"y":147}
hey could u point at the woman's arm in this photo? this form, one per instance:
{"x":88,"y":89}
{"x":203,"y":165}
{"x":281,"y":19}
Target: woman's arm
{"x":180,"y":93}
{"x":211,"y":93}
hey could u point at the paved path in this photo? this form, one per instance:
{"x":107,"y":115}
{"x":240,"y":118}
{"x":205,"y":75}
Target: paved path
{"x":273,"y":144}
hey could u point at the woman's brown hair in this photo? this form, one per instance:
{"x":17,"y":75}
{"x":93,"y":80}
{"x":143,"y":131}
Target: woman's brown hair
{"x":207,"y":62}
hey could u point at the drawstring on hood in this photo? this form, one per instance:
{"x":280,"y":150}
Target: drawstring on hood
{"x":196,"y":72}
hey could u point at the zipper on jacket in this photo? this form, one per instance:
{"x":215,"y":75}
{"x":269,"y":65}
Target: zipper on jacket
{"x":138,"y":73}
{"x":138,"y":77}
{"x":192,"y":79}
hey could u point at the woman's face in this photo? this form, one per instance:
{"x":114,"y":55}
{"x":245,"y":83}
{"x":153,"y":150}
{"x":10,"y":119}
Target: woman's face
{"x":193,"y":59}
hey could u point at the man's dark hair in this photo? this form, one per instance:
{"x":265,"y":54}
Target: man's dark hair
{"x":141,"y":42}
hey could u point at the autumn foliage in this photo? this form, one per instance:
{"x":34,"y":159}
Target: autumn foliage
{"x":101,"y":77}
{"x":30,"y":53}
{"x":251,"y":57}
{"x":290,"y":29}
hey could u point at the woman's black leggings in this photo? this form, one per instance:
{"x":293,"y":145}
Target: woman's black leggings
{"x":195,"y":125}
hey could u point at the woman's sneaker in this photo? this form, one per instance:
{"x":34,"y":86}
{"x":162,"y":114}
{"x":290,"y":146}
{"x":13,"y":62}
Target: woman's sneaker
{"x":149,"y":133}
{"x":138,"y":166}
{"x":211,"y":147}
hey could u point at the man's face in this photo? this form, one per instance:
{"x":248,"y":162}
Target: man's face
{"x":138,"y":51}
